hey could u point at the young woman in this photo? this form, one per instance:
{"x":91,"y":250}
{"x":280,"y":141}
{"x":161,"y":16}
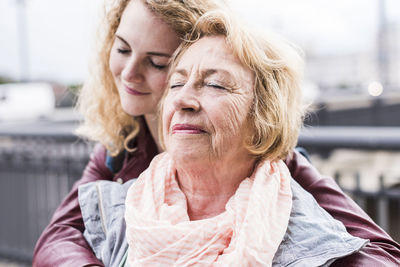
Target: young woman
{"x":119,"y":102}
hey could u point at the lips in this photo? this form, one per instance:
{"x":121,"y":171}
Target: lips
{"x":132,"y":91}
{"x":187,"y":129}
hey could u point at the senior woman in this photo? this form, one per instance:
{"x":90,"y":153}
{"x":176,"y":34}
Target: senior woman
{"x":220,"y":194}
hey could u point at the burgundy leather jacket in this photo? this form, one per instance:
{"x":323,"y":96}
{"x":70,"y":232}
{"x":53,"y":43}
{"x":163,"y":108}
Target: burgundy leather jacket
{"x":62,"y":242}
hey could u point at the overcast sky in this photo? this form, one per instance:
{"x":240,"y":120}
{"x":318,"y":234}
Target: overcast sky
{"x":59,"y":32}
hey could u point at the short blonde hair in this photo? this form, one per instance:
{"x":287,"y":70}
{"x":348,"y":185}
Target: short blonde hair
{"x":104,"y":118}
{"x":277,"y":111}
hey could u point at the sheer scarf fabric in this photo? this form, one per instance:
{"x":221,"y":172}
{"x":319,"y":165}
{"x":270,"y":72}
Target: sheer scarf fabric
{"x":248,"y":233}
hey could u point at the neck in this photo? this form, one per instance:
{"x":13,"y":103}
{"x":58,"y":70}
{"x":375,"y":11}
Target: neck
{"x":152,"y":123}
{"x":208,"y":187}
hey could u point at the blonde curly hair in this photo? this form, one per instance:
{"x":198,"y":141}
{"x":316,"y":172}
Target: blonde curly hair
{"x":104,"y":119}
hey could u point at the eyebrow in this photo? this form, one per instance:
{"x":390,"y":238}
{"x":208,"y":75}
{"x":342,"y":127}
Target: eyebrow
{"x":157,"y":54}
{"x":205,"y":73}
{"x":180,"y":71}
{"x":122,"y":40}
{"x":209,"y":72}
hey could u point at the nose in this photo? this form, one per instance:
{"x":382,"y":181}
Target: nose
{"x":187,"y":99}
{"x":133,"y":71}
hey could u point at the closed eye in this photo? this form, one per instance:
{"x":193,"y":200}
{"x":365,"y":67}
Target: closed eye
{"x":123,"y":51}
{"x":217,"y":86}
{"x":157,"y":66}
{"x":177,"y":85}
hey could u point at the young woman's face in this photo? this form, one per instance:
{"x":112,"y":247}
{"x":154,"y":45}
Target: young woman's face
{"x":139,"y":58}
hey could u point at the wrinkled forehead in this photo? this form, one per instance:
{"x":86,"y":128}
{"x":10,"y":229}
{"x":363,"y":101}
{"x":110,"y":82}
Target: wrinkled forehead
{"x":212,"y":52}
{"x":209,"y":50}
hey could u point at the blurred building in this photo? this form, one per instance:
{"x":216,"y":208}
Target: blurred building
{"x":342,"y":71}
{"x":353,"y":72}
{"x":394,"y":55}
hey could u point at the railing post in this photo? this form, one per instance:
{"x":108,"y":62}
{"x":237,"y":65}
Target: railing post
{"x":382,"y":205}
{"x":359,"y":197}
{"x":336,"y":176}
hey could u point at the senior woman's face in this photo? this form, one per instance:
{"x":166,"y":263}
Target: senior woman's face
{"x":206,"y":109}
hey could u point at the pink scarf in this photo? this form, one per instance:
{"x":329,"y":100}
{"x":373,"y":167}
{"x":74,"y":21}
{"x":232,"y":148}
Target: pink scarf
{"x":248,"y":233}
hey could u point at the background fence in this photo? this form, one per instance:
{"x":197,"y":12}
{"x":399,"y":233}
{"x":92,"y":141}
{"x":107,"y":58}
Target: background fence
{"x":383,"y":205}
{"x":382,"y":201}
{"x":36,"y":172}
{"x":357,"y":111}
{"x":38,"y":168}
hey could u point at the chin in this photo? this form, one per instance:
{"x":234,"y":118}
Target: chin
{"x":133,"y":112}
{"x":189,"y":153}
{"x":134,"y":109}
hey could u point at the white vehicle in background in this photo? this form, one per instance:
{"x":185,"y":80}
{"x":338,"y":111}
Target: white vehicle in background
{"x":26,"y":101}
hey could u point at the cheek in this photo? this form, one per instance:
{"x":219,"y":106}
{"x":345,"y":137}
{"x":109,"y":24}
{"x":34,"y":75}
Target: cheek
{"x":229,"y":122}
{"x":115,"y":64}
{"x":166,"y":116}
{"x":230,"y":116}
{"x":158,"y":81}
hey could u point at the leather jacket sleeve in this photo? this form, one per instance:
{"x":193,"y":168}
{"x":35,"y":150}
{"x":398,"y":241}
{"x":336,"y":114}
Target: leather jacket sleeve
{"x":382,"y":249}
{"x":62,"y":242}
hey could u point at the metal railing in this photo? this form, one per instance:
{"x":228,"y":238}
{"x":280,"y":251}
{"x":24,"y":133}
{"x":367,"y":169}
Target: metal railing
{"x":381,"y":204}
{"x":38,"y":168}
{"x":357,"y":110}
{"x":324,"y":139}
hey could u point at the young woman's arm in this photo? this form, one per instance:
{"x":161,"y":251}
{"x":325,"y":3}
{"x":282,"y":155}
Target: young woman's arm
{"x":382,"y":249}
{"x":62,"y":242}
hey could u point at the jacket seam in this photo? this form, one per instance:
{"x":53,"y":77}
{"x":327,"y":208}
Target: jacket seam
{"x":101,"y":209}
